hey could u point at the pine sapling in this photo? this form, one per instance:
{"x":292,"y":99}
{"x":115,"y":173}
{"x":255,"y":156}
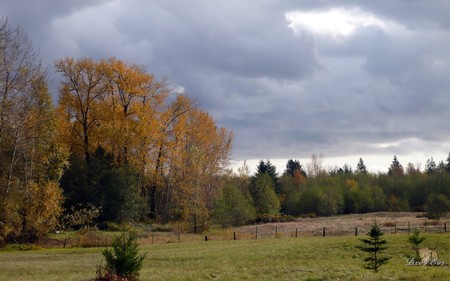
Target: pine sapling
{"x":415,"y":239}
{"x":374,"y":246}
{"x":123,"y":261}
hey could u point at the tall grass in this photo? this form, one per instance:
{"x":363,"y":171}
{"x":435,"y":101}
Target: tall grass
{"x":311,"y":258}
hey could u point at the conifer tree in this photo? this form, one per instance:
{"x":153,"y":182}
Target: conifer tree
{"x":374,"y":246}
{"x":293,"y":166}
{"x":415,"y":239}
{"x":361,"y":167}
{"x":396,"y":169}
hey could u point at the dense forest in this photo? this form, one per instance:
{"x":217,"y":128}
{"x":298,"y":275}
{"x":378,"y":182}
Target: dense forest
{"x":119,"y":147}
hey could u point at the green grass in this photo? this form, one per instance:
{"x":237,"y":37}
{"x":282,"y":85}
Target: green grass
{"x":314,"y":258}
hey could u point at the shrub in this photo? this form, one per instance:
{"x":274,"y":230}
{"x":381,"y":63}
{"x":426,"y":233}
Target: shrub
{"x":162,"y":228}
{"x":274,"y":218}
{"x":389,"y":224}
{"x":80,"y":217}
{"x":123,"y":261}
{"x":90,"y":238}
{"x":232,"y":208}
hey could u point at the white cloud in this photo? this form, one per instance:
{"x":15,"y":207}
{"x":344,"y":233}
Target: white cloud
{"x":336,"y":22}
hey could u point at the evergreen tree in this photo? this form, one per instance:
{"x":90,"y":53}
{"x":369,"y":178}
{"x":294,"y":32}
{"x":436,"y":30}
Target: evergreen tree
{"x":415,"y":239}
{"x":447,"y":166}
{"x":347,"y":169}
{"x":361,"y":167}
{"x":264,"y":197}
{"x":441,"y":167}
{"x":269,"y":169}
{"x":103,"y":184}
{"x":374,"y":246}
{"x":292,"y":166}
{"x":396,"y":169}
{"x":123,"y":260}
{"x":430,"y":166}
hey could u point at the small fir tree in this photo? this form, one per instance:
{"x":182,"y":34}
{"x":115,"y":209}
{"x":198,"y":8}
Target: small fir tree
{"x":123,"y":261}
{"x":374,"y":246}
{"x":415,"y":239}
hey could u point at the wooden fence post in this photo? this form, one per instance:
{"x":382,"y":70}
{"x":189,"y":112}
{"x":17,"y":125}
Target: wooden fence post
{"x":409,"y":227}
{"x":445,"y":227}
{"x":356,"y":231}
{"x":234,"y":235}
{"x":395,"y":228}
{"x":323,"y":232}
{"x":256,"y":233}
{"x":276,"y":231}
{"x":206,"y":238}
{"x":296,"y":232}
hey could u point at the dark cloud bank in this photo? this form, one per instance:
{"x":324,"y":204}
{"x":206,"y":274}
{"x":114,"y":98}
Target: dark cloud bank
{"x":285,"y":90}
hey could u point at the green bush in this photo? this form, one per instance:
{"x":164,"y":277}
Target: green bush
{"x":437,"y":206}
{"x":232,"y":208}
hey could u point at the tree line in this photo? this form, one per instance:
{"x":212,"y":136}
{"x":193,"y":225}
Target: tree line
{"x":313,"y":191}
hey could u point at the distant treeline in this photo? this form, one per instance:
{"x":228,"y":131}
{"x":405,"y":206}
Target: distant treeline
{"x":314,"y":191}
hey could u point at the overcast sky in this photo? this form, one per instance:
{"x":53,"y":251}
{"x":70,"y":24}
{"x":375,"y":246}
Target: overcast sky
{"x":345,"y":79}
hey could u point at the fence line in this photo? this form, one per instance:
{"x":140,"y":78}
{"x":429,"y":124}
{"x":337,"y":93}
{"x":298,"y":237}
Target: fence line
{"x":262,"y":231}
{"x":268,"y":231}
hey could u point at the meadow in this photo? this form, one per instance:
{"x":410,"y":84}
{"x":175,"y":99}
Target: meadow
{"x":305,"y":258}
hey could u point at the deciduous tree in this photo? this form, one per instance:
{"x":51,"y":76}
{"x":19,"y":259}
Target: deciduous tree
{"x":31,"y":159}
{"x":83,"y":88}
{"x":232,"y":208}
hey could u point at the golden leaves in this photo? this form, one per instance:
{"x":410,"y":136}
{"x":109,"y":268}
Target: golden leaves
{"x":122,"y":108}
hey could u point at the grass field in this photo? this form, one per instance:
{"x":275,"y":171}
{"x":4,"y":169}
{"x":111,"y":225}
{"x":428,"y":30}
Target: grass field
{"x":311,"y":258}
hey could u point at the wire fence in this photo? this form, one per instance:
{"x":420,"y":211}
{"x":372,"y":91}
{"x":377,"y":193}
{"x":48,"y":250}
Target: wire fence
{"x":268,"y":231}
{"x":95,"y":238}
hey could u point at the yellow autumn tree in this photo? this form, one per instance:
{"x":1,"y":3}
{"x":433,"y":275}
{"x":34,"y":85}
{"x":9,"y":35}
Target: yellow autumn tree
{"x":163,"y":180}
{"x":202,"y":153}
{"x":176,"y":149}
{"x":132,"y":107}
{"x":31,"y":159}
{"x":83,"y":88}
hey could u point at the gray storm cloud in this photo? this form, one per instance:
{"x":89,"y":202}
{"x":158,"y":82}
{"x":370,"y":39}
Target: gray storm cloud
{"x":285,"y":90}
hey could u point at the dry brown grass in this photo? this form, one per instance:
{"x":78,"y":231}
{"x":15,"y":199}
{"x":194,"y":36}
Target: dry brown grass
{"x":390,"y":222}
